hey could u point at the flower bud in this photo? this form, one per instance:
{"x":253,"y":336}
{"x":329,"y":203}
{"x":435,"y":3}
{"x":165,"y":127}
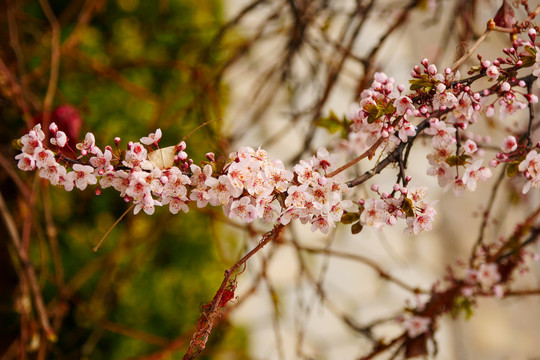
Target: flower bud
{"x":53,"y":128}
{"x":374,"y":187}
{"x":532,"y":34}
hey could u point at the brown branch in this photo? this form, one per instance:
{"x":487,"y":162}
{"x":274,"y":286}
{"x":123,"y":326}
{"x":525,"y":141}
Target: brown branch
{"x":55,"y":63}
{"x":28,"y":270}
{"x":211,"y":313}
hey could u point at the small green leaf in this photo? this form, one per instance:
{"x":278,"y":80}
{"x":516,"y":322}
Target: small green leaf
{"x":512,"y":169}
{"x":407,"y":207}
{"x":458,"y":160}
{"x":331,"y":123}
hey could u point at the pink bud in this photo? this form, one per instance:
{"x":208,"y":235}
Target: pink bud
{"x":494,"y":163}
{"x":53,"y":128}
{"x":396,"y":187}
{"x":374,"y":187}
{"x":532,"y":34}
{"x":210,"y":156}
{"x":182,"y":146}
{"x":98,"y":191}
{"x":385,"y":195}
{"x":182,"y":155}
{"x":401,"y":87}
{"x":117,"y":140}
{"x":164,"y":180}
{"x":486,"y":63}
{"x":447,"y":71}
{"x":404,"y":190}
{"x":424,"y":62}
{"x":408,"y":178}
{"x":361,"y":201}
{"x":432,"y":69}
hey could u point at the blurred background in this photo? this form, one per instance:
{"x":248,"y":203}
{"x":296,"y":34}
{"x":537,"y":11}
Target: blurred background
{"x":265,"y":73}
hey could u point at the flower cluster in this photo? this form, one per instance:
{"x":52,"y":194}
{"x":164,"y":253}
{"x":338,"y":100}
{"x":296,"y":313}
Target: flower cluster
{"x":316,"y":199}
{"x":382,"y":113}
{"x":249,"y":186}
{"x":403,"y":203}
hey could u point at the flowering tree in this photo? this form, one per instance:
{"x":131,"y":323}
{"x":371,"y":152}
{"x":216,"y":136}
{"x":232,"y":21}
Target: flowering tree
{"x":452,"y":112}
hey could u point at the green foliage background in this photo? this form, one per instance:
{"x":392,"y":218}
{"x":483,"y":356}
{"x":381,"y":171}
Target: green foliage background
{"x":137,"y":66}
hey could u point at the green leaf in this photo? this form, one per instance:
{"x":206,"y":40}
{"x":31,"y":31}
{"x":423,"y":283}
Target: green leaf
{"x":424,"y":83}
{"x":512,"y":169}
{"x":407,"y":207}
{"x":331,"y":123}
{"x":462,"y":304}
{"x":458,"y":160}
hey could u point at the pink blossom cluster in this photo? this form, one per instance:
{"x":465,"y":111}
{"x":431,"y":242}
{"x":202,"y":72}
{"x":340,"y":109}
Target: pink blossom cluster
{"x":403,"y":203}
{"x":382,"y":113}
{"x":315,"y":199}
{"x":251,"y":185}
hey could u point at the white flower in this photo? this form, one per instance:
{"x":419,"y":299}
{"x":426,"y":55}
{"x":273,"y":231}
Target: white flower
{"x":531,"y":169}
{"x":470,"y":146}
{"x":509,"y":144}
{"x":88,"y":143}
{"x":243,"y":210}
{"x":26,"y":162}
{"x":492,"y":72}
{"x":488,"y":275}
{"x":374,"y":213}
{"x":416,"y":325}
{"x":153,"y":138}
{"x":82,"y":175}
{"x":60,"y":139}
{"x":475,"y":173}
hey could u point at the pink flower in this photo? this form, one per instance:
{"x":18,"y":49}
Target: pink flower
{"x":175,"y":205}
{"x":243,"y":210}
{"x":147,"y":204}
{"x":416,"y":325}
{"x":402,"y":104}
